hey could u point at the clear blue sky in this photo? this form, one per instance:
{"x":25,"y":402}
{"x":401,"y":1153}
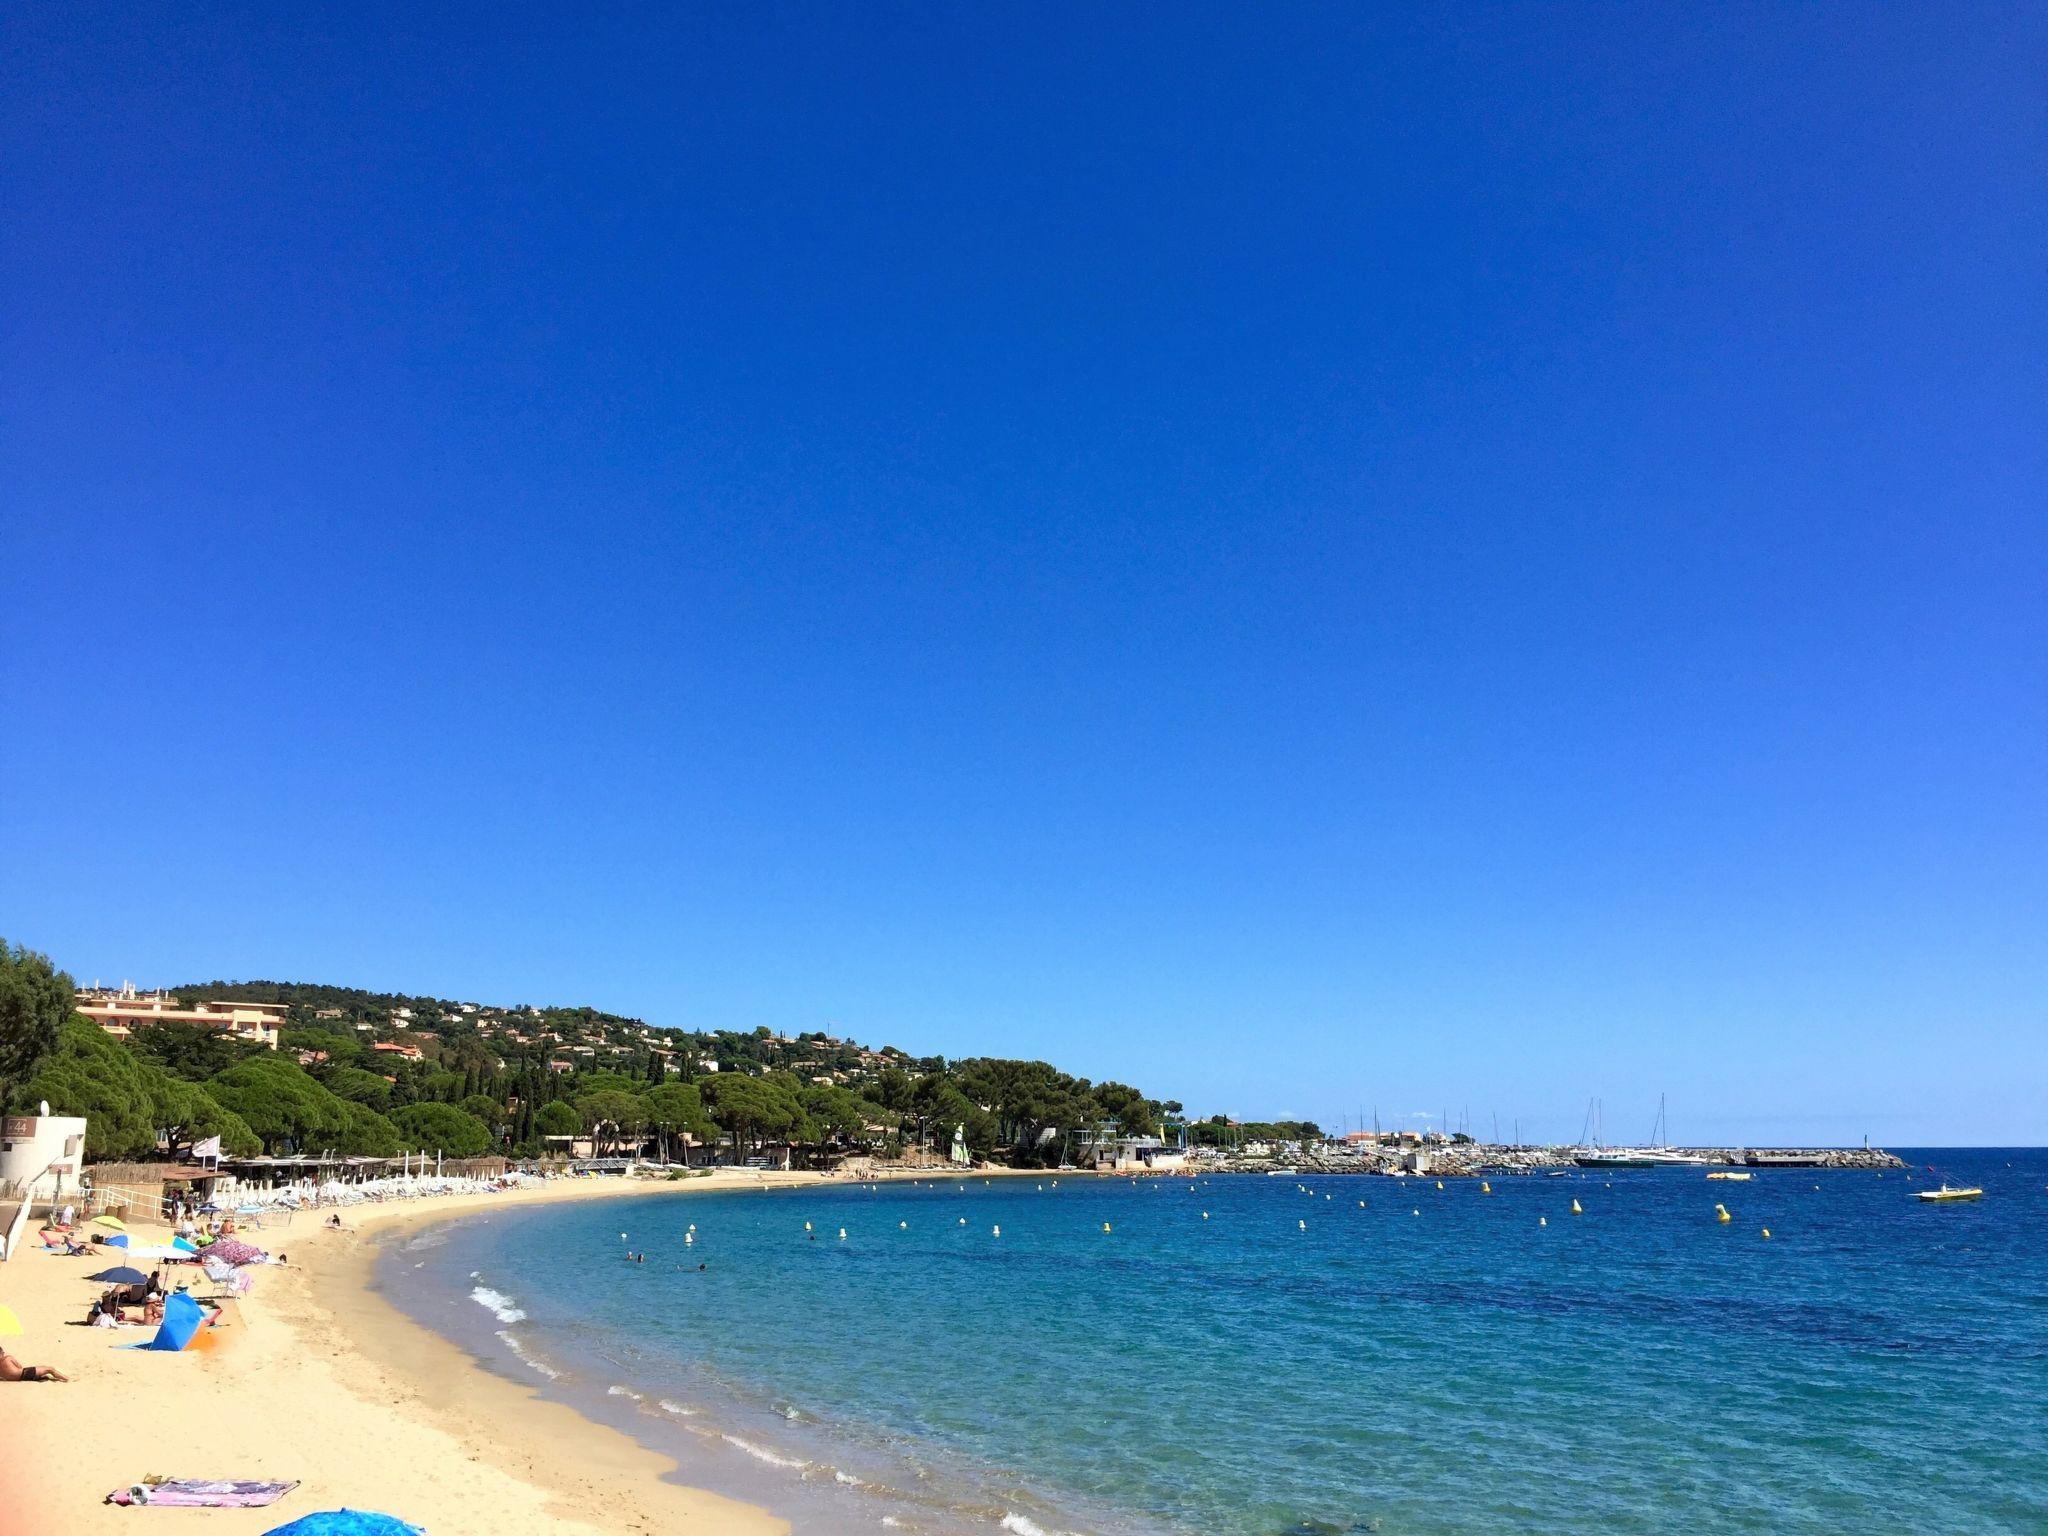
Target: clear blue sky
{"x":1304,"y":557}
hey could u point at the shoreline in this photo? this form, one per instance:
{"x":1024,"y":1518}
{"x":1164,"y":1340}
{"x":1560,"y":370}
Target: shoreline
{"x":323,"y":1379}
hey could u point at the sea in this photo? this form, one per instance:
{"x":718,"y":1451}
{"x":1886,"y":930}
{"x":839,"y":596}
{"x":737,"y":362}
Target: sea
{"x":1285,"y":1355}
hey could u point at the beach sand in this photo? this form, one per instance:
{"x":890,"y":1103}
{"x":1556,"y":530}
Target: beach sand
{"x":319,"y":1379}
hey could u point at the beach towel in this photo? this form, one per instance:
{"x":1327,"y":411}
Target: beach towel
{"x":235,"y":1251}
{"x":202,"y":1493}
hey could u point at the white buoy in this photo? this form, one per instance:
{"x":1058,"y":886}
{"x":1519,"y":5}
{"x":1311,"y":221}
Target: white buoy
{"x":963,"y":1221}
{"x":995,"y":1231}
{"x":1205,"y":1215}
{"x":842,"y":1234}
{"x":1542,"y":1221}
{"x":1303,"y":1225}
{"x":807,"y":1226}
{"x":902,"y":1226}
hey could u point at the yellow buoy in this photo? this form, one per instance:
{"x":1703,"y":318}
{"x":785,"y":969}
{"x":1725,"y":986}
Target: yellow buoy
{"x":1577,"y":1210}
{"x":1439,"y":1183}
{"x":807,"y":1226}
{"x":1721,"y":1213}
{"x":1105,"y":1226}
{"x":1767,"y":1231}
{"x":1485,"y":1188}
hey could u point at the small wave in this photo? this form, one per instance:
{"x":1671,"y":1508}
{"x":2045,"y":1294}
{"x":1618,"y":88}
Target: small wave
{"x":847,"y":1478}
{"x":616,"y":1391}
{"x":518,"y":1349}
{"x":676,"y":1408}
{"x":759,"y":1453}
{"x":1017,"y":1525}
{"x":497,"y":1303}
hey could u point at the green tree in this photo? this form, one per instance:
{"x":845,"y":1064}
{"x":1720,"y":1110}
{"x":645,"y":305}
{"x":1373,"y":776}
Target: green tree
{"x":444,"y":1129}
{"x":485,"y":1108}
{"x":358,"y":1087}
{"x":126,"y":1102}
{"x":282,"y":1104}
{"x":35,"y":1000}
{"x":677,"y":1109}
{"x":751,"y":1110}
{"x":1134,"y":1114}
{"x":194,"y":1052}
{"x":187,"y":1114}
{"x":613,"y":1118}
{"x":365,"y":1133}
{"x":557,"y":1119}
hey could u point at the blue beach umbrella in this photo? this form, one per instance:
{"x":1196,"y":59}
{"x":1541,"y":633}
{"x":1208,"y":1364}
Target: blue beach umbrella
{"x":118,"y":1240}
{"x":346,"y":1522}
{"x":120,"y":1274}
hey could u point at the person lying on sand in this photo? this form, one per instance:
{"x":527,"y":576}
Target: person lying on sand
{"x":12,"y":1369}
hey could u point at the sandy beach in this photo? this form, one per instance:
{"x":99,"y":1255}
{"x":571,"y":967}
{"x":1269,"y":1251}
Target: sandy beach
{"x":319,"y":1379}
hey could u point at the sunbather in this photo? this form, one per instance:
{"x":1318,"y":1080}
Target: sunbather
{"x":12,"y":1369}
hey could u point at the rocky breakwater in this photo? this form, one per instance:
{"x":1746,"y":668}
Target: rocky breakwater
{"x":1477,"y":1159}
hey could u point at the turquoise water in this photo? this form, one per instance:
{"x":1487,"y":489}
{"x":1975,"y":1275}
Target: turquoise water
{"x":1431,"y":1362}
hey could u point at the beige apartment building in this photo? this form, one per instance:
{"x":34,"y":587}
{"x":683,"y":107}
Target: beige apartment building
{"x":122,"y":1010}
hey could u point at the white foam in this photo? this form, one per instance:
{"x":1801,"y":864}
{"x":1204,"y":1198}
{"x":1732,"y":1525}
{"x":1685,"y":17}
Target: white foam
{"x":759,"y":1453}
{"x":616,"y":1391}
{"x":847,"y":1478}
{"x":514,"y":1345}
{"x":1017,"y":1525}
{"x":498,"y":1304}
{"x":676,"y":1408}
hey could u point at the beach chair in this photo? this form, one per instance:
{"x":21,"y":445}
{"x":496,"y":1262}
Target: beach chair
{"x":224,"y":1280}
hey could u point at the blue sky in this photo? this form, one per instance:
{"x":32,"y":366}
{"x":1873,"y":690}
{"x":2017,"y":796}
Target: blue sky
{"x":1310,"y":558}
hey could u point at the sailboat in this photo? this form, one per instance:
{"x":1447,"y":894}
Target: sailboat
{"x":1659,"y":1154}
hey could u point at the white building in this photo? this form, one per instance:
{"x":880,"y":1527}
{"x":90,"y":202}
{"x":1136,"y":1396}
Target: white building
{"x":41,"y":1157}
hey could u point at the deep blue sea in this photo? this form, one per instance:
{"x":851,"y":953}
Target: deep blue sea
{"x":1256,"y":1355}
